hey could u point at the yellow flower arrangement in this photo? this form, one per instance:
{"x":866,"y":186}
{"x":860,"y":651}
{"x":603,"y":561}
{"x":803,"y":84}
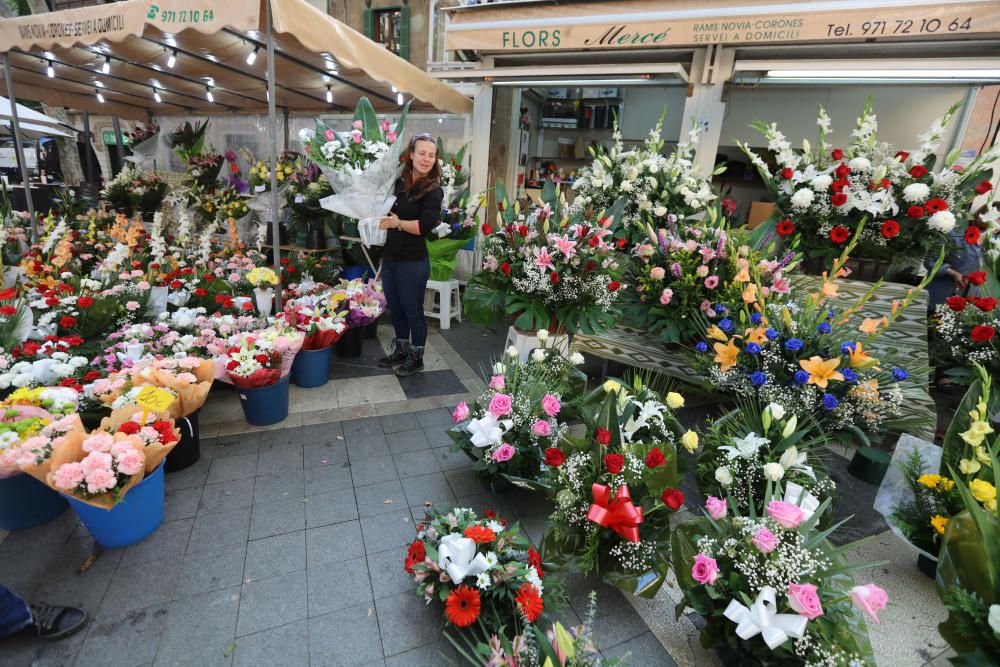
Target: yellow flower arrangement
{"x":939,"y":523}
{"x":984,"y":492}
{"x":261,"y":275}
{"x":930,"y":481}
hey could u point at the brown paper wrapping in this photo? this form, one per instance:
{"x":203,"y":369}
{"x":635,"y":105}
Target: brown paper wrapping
{"x":190,"y":397}
{"x":71,"y":451}
{"x":154,"y":453}
{"x":41,"y":471}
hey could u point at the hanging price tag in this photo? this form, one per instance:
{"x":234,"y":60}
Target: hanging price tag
{"x":154,"y":399}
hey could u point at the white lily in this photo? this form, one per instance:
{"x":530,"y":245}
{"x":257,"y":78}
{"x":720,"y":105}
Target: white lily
{"x":745,"y":447}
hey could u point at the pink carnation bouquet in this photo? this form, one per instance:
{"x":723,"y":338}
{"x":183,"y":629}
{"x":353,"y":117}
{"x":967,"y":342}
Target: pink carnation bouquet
{"x":97,"y":468}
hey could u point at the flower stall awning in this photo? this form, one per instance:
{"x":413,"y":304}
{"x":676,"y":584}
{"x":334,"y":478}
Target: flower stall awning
{"x":202,"y":56}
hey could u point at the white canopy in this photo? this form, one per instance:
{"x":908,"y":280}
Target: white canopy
{"x":32,"y":131}
{"x":26,"y":116}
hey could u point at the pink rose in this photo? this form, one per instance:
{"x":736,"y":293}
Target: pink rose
{"x":234,"y":277}
{"x":550,"y":404}
{"x":96,"y":461}
{"x":497,"y":382}
{"x":131,"y":462}
{"x":712,"y":282}
{"x":68,"y":476}
{"x":385,"y":125}
{"x":391,"y":137}
{"x":666,"y":296}
{"x":500,"y":405}
{"x":132,"y":306}
{"x":99,"y":442}
{"x":705,"y":570}
{"x":329,"y":135}
{"x":657,"y":273}
{"x":869,"y":599}
{"x":503,"y":453}
{"x":100,"y":480}
{"x":765,"y":540}
{"x":358,"y":125}
{"x":541,"y":429}
{"x":356,"y":136}
{"x":716,"y":507}
{"x":461,"y":413}
{"x":787,"y":515}
{"x":803,"y":599}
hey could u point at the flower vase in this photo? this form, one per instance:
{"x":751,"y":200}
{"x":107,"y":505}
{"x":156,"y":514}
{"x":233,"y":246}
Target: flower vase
{"x":25,"y":503}
{"x":264,"y":296}
{"x":134,"y":518}
{"x":263,"y":406}
{"x":188,"y":450}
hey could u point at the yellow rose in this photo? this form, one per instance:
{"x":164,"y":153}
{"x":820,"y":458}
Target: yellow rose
{"x":939,"y":523}
{"x":690,"y":441}
{"x":930,"y":481}
{"x":983,"y":491}
{"x":968,"y":467}
{"x":946,"y":484}
{"x":675,"y":400}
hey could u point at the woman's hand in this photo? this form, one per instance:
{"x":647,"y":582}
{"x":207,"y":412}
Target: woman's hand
{"x":389,"y":222}
{"x":957,"y":278}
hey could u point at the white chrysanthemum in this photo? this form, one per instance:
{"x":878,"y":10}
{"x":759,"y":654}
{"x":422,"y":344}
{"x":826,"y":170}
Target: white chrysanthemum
{"x":860,"y":164}
{"x":942,"y":221}
{"x":576,"y":359}
{"x":802,"y":198}
{"x":821,"y":182}
{"x":916,"y":193}
{"x":774,"y":471}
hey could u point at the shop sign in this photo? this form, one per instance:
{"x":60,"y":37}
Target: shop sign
{"x":548,"y":32}
{"x":109,"y":138}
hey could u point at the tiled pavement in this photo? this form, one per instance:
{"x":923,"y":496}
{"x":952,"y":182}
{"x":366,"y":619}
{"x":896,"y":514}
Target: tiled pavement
{"x":283,"y":547}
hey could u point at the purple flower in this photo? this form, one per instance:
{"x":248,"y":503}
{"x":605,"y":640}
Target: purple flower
{"x":675,"y":269}
{"x":231,"y":156}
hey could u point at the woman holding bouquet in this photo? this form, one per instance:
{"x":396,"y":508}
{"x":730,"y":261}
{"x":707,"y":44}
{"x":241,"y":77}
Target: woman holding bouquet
{"x":405,"y":264}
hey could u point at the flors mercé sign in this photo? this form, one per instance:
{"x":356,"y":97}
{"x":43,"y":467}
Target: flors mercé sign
{"x":466,"y":32}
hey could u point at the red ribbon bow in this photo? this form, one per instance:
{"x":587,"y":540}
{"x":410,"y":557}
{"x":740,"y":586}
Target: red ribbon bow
{"x":618,"y":513}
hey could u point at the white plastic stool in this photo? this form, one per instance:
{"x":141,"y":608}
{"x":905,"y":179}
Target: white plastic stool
{"x":443,"y":300}
{"x":525,"y":343}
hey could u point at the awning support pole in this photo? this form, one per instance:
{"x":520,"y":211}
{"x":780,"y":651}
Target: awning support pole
{"x":88,"y":149}
{"x":272,"y":138}
{"x":19,"y":149}
{"x":119,"y":142}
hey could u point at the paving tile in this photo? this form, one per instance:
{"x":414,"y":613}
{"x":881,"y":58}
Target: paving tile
{"x":324,"y":453}
{"x":387,"y":575}
{"x":401,"y":422}
{"x":287,"y":646}
{"x":212,"y":531}
{"x":282,"y":459}
{"x":199,"y":630}
{"x":169,"y":540}
{"x":345,"y":638}
{"x":270,"y":556}
{"x":449,"y":460}
{"x":277,"y":517}
{"x":480,"y":502}
{"x":369,"y":390}
{"x":362,"y":427}
{"x":464,"y":481}
{"x":616,"y":620}
{"x":322,"y":433}
{"x":141,"y":585}
{"x":336,"y":586}
{"x":229,"y":468}
{"x":191,"y":477}
{"x":281,"y":486}
{"x":272,"y":602}
{"x":373,"y":471}
{"x":332,"y":544}
{"x":280,"y":437}
{"x":431,"y":419}
{"x":380,"y":498}
{"x":210,"y":570}
{"x":324,"y":479}
{"x":181,"y":503}
{"x":328,"y":508}
{"x":431,"y":489}
{"x":407,"y":441}
{"x":642,"y":650}
{"x":409,"y":618}
{"x":362,"y":447}
{"x":62,"y":580}
{"x":235,"y":445}
{"x":431,"y":383}
{"x":129,"y":639}
{"x":414,"y":464}
{"x":27,"y":651}
{"x":438,"y":437}
{"x":227,"y":496}
{"x":441,"y":652}
{"x":388,"y":531}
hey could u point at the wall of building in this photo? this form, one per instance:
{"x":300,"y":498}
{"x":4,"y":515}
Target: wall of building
{"x":352,"y":12}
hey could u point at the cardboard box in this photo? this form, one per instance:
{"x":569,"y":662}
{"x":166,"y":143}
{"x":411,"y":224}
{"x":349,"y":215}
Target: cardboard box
{"x":759,"y":212}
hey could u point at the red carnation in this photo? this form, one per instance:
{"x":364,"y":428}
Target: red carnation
{"x":902,"y":156}
{"x":247,"y":305}
{"x":51,"y":302}
{"x":915,"y":212}
{"x":982,"y":334}
{"x":956,"y":303}
{"x":972,"y":235}
{"x":154,"y":266}
{"x":842,"y":170}
{"x":603,"y":436}
{"x":523,"y":230}
{"x":200,"y":291}
{"x":7,"y":294}
{"x":129,"y":428}
{"x":554,"y":457}
{"x":613,"y":286}
{"x":487,"y":230}
{"x":837,"y":154}
{"x":984,"y":187}
{"x":786,"y":228}
{"x":285,"y":260}
{"x":590,"y":265}
{"x":986,"y":304}
{"x":838,"y":199}
{"x":176,"y":284}
{"x":614,"y":463}
{"x":673,"y":498}
{"x":63,"y":287}
{"x":232,"y":365}
{"x":91,"y":376}
{"x":935,"y":205}
{"x":85,"y":302}
{"x":655,"y":458}
{"x":840,"y":234}
{"x":208,"y":277}
{"x":977,"y":278}
{"x":8,"y":310}
{"x":505,"y":269}
{"x":553,"y":277}
{"x":67,"y":322}
{"x":890,"y":229}
{"x":839,"y":185}
{"x":165,"y":430}
{"x":261,"y":358}
{"x":787,"y":172}
{"x":918,"y":171}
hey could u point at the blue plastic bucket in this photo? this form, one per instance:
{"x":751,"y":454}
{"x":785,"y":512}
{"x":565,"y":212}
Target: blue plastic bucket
{"x":265,"y":405}
{"x":135,"y":518}
{"x":25,"y":503}
{"x":311,"y":368}
{"x":352,"y":272}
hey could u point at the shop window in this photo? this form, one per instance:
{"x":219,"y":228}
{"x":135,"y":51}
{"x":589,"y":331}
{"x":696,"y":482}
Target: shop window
{"x":390,"y":26}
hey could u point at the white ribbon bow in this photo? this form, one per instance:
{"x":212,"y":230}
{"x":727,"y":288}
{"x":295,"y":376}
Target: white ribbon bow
{"x":487,"y":430}
{"x":797,"y":495}
{"x":763,"y":619}
{"x":457,"y":556}
{"x":442,"y":230}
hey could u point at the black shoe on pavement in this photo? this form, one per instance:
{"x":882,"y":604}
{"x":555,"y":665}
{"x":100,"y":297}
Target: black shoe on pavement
{"x":414,"y":362}
{"x":400,"y":349}
{"x":53,"y":621}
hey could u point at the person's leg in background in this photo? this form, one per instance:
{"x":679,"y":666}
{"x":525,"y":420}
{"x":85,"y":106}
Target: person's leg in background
{"x":14,"y":613}
{"x":391,"y":281}
{"x":41,"y":620}
{"x":412,"y":296}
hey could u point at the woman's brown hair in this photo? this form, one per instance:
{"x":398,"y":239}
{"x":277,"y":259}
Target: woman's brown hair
{"x":429,"y":182}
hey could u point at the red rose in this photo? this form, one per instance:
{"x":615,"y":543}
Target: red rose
{"x":85,"y":302}
{"x":838,"y":199}
{"x":915,"y":212}
{"x":136,"y":264}
{"x":603,"y":436}
{"x":902,"y":156}
{"x":247,"y":305}
{"x":982,"y":334}
{"x":593,"y":241}
{"x":613,"y":286}
{"x":285,"y":260}
{"x":154,"y":266}
{"x":208,"y":277}
{"x":290,"y":269}
{"x":523,"y":230}
{"x":935,"y":205}
{"x":655,"y":458}
{"x":840,"y":234}
{"x":621,"y":243}
{"x":972,"y":235}
{"x":837,"y":154}
{"x":787,"y":172}
{"x":984,"y":187}
{"x":262,"y":358}
{"x":91,"y":376}
{"x":673,"y":498}
{"x":986,"y":304}
{"x":553,"y":277}
{"x":890,"y":229}
{"x":786,"y":228}
{"x":72,"y":384}
{"x":505,"y":269}
{"x":839,"y":185}
{"x":8,"y":310}
{"x":590,"y":265}
{"x":176,"y":284}
{"x":129,"y":428}
{"x":977,"y":278}
{"x":956,"y":303}
{"x":487,"y":230}
{"x":614,"y":463}
{"x":918,"y":171}
{"x":842,"y":170}
{"x":220,"y":298}
{"x":51,"y":301}
{"x":554,"y":457}
{"x":67,"y":322}
{"x":200,"y":291}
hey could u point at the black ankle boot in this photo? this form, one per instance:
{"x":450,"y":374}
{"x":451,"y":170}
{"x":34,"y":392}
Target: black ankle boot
{"x":400,"y":350}
{"x":414,"y":362}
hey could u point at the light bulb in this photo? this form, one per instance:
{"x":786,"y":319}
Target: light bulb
{"x":51,"y":71}
{"x":106,"y":68}
{"x":172,"y":60}
{"x":100,"y":98}
{"x":399,"y":99}
{"x":252,"y":56}
{"x":395,"y":89}
{"x":329,"y":95}
{"x":156,"y":95}
{"x":440,"y":120}
{"x":208,"y":94}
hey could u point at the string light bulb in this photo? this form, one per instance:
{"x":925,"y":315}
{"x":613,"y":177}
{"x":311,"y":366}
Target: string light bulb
{"x":106,"y":68}
{"x":329,"y":95}
{"x":172,"y":60}
{"x":252,"y":56}
{"x":208,"y":94}
{"x":399,"y":99}
{"x":156,"y":95}
{"x":100,"y":98}
{"x":50,"y":70}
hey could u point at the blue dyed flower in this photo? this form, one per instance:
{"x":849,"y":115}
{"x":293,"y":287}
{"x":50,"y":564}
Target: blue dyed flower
{"x":702,"y":346}
{"x":726,"y":324}
{"x":756,"y":318}
{"x":830,"y":402}
{"x":849,"y":375}
{"x":752,"y":348}
{"x":830,"y":314}
{"x":771,"y":333}
{"x":758,"y":378}
{"x":898,"y":374}
{"x":719,"y":308}
{"x":801,"y":377}
{"x":824,"y":328}
{"x":793,"y":344}
{"x":847,"y":348}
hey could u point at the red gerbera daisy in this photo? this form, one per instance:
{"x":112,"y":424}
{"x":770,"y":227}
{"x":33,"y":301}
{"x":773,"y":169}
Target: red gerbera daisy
{"x":461,"y":607}
{"x":529,"y":602}
{"x":786,"y":228}
{"x":415,"y":555}
{"x":840,"y":234}
{"x":535,"y":561}
{"x":972,"y":235}
{"x":480,"y":534}
{"x":890,"y":229}
{"x":935,"y":205}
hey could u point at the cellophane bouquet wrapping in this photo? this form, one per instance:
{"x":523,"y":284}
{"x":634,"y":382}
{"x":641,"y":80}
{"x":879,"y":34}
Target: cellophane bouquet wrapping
{"x":319,"y":317}
{"x":31,"y":421}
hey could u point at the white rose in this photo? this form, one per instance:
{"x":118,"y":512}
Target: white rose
{"x":942,"y":221}
{"x":576,"y":359}
{"x":723,"y":476}
{"x":994,"y":618}
{"x":660,"y":211}
{"x":5,"y":380}
{"x":626,"y":186}
{"x":512,"y":352}
{"x":538,"y":355}
{"x":777,"y":411}
{"x":543,"y":335}
{"x":498,"y":368}
{"x":821,"y":182}
{"x":860,"y":164}
{"x":916,"y":193}
{"x":774,"y":471}
{"x":802,"y":198}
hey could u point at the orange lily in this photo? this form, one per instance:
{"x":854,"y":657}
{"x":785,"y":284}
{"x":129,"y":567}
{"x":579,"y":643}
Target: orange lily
{"x":757,"y":335}
{"x":870,"y":326}
{"x":725,"y":355}
{"x":750,"y":294}
{"x":821,"y":371}
{"x":860,"y":358}
{"x":716,"y":333}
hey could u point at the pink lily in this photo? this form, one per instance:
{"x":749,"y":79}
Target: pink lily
{"x":565,"y":246}
{"x":544,"y":259}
